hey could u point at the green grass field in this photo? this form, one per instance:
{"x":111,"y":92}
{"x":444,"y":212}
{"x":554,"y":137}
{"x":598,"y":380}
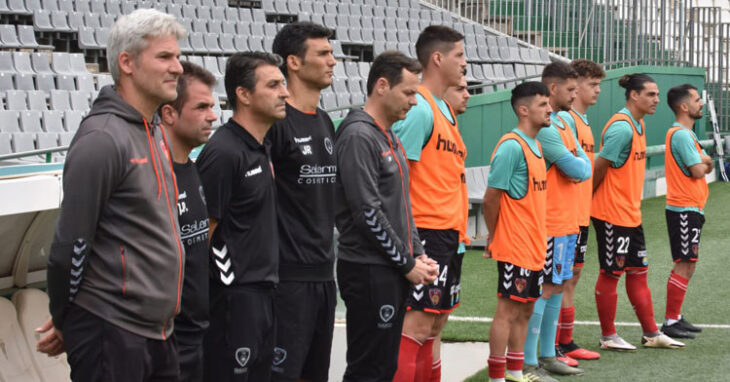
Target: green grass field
{"x":707,"y":301}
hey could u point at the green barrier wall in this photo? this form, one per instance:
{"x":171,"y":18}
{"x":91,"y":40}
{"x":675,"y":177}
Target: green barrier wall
{"x":489,"y":116}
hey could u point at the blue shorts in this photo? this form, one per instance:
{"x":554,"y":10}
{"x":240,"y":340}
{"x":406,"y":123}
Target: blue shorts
{"x":559,"y":259}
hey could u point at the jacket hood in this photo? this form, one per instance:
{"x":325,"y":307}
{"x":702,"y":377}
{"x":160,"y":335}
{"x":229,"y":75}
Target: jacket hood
{"x":110,"y":101}
{"x":356,"y":116}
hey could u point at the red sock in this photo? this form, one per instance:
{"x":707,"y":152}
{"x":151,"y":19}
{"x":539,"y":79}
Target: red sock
{"x":565,"y":326}
{"x":676,"y":288}
{"x":496,"y":366}
{"x":424,"y":361}
{"x":515,"y":360}
{"x":407,"y":354}
{"x":606,"y":297}
{"x":640,"y":297}
{"x":436,"y":371}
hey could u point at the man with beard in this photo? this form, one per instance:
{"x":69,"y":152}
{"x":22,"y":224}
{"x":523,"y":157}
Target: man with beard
{"x":686,"y":165}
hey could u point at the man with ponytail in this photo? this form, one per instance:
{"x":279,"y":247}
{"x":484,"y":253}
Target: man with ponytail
{"x":685,"y":166}
{"x":618,"y":183}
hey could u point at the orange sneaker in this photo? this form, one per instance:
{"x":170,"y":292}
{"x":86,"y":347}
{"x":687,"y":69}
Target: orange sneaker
{"x":576,"y":352}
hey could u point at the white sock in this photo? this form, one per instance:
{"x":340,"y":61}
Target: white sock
{"x":670,"y":322}
{"x":496,"y":380}
{"x":515,"y":373}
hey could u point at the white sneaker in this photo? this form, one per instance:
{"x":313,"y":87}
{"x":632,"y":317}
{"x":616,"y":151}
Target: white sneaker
{"x":616,"y":343}
{"x":661,"y":341}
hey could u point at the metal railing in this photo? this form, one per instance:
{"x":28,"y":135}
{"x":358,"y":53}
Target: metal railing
{"x":616,"y":33}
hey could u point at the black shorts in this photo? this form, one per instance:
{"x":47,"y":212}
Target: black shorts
{"x":375,"y":299}
{"x":239,"y":344}
{"x":304,"y":334}
{"x":685,"y":229}
{"x":518,"y":284}
{"x":581,"y":247}
{"x":100,"y":351}
{"x":620,"y":248}
{"x":443,"y":295}
{"x":191,"y":361}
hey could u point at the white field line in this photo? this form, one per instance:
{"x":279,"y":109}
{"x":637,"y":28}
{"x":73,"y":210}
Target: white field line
{"x":341,"y":322}
{"x":586,"y":323}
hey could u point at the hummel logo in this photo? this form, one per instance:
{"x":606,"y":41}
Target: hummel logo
{"x":254,"y":171}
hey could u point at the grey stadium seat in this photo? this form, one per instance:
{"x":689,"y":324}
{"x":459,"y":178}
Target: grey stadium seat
{"x":6,"y":62}
{"x":53,"y":121}
{"x":24,"y":81}
{"x":9,"y":37}
{"x":16,"y":100}
{"x":5,"y":146}
{"x":72,"y":120}
{"x":23,"y":142}
{"x":22,"y":63}
{"x":79,"y":100}
{"x":6,"y":82}
{"x":9,"y":121}
{"x":37,"y":100}
{"x":65,"y":138}
{"x":85,"y":83}
{"x":41,"y":63}
{"x":46,"y":82}
{"x":60,"y":100}
{"x":60,"y":63}
{"x":30,"y":121}
{"x":65,"y":82}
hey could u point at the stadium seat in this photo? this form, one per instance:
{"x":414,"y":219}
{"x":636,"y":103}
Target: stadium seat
{"x":65,"y":82}
{"x":60,"y":100}
{"x":53,"y":121}
{"x":24,"y":81}
{"x":79,"y":100}
{"x":23,"y":142}
{"x":18,"y":7}
{"x":45,"y":82}
{"x":22,"y":63}
{"x":92,"y":20}
{"x":16,"y":364}
{"x":15,"y":100}
{"x":107,"y":21}
{"x":102,"y":36}
{"x":76,"y":20}
{"x":211,"y":63}
{"x":72,"y":120}
{"x":37,"y":100}
{"x":9,"y":37}
{"x":85,"y":83}
{"x":41,"y":63}
{"x":211,"y":43}
{"x":30,"y":121}
{"x":5,"y":148}
{"x":6,"y":62}
{"x":60,"y":63}
{"x":103,"y":80}
{"x":6,"y":82}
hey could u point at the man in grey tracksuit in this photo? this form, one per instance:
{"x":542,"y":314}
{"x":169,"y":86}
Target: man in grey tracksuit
{"x":379,"y":249}
{"x":116,"y":265}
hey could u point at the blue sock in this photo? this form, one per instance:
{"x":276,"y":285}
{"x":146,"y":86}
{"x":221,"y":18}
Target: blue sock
{"x":549,"y":327}
{"x":533,"y":332}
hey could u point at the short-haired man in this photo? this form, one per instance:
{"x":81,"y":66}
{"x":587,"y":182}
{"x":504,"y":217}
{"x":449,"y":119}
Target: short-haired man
{"x":686,"y":165}
{"x":238,"y":179}
{"x":188,"y":121}
{"x":618,"y":184}
{"x":303,"y":156}
{"x":436,"y":155}
{"x":567,"y":165}
{"x":590,"y":75}
{"x":380,"y":252}
{"x":514,"y":212}
{"x":116,"y":264}
{"x":457,"y":97}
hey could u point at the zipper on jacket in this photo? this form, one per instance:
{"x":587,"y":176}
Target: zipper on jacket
{"x":124,"y":271}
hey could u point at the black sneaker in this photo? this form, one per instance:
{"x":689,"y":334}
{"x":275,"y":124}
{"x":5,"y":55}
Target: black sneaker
{"x":685,"y":325}
{"x":676,"y":331}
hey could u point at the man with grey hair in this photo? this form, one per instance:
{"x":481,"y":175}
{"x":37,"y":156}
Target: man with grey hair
{"x":116,"y":264}
{"x":238,"y":179}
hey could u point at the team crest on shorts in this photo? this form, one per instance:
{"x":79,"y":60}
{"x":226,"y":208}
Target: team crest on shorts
{"x":558,"y":268}
{"x":695,"y":249}
{"x":520,"y":284}
{"x":620,"y":261}
{"x":279,"y":356}
{"x":242,"y":356}
{"x":435,"y":295}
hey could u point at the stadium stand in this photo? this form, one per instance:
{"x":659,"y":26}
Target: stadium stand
{"x":45,"y":59}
